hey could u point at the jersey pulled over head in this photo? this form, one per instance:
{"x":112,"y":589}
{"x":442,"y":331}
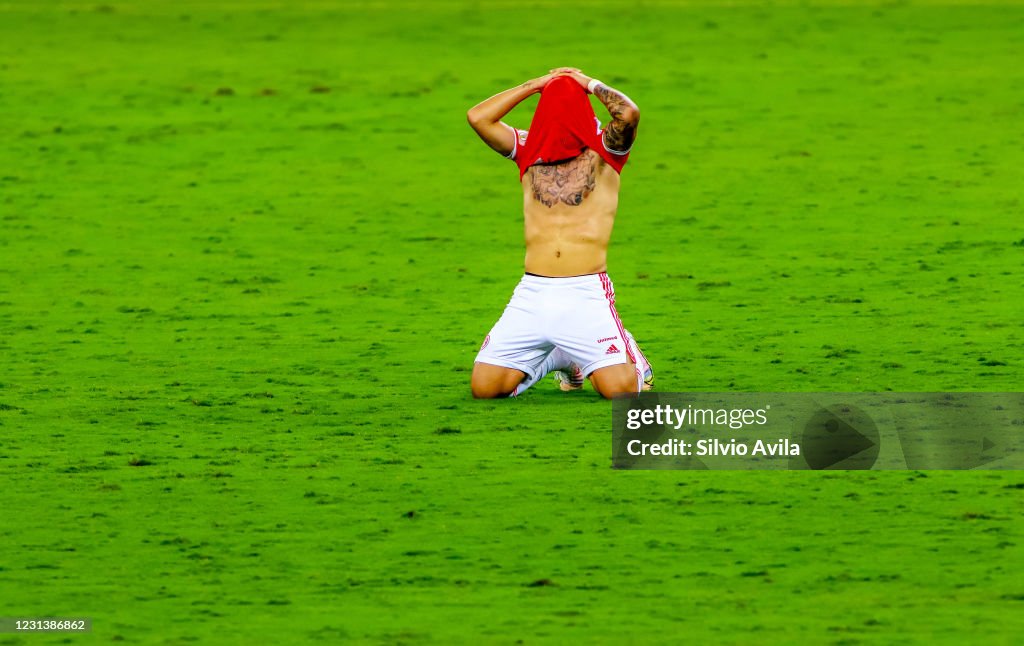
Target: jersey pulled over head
{"x":563,"y":126}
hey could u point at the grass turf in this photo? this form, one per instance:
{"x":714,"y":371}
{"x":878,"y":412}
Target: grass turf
{"x":249,"y":251}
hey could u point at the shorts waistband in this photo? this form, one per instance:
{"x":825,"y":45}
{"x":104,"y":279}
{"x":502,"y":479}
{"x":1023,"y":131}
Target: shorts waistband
{"x":566,"y":281}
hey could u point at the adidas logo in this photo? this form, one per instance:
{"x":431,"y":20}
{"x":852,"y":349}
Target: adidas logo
{"x":612,"y":349}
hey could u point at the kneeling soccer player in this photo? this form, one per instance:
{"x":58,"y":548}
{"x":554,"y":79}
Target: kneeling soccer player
{"x":562,"y":317}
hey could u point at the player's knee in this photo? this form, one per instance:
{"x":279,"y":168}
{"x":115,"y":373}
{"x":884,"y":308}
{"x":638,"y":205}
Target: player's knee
{"x":488,"y":389}
{"x":618,"y":381}
{"x":618,"y":387}
{"x":490,"y":382}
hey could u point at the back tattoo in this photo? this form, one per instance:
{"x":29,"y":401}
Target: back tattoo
{"x":566,"y":182}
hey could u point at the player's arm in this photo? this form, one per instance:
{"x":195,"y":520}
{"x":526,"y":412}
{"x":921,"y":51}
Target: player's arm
{"x":485,"y":117}
{"x":621,"y":132}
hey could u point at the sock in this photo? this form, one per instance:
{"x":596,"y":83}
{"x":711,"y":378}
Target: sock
{"x":557,"y":359}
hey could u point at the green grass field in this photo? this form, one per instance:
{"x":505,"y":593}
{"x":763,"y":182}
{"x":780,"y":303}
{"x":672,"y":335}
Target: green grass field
{"x":248,"y":251}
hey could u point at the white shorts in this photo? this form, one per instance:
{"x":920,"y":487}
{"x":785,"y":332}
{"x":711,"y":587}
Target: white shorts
{"x":575,"y":314}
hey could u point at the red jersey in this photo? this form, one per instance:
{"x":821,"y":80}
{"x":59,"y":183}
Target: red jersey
{"x":563,"y":126}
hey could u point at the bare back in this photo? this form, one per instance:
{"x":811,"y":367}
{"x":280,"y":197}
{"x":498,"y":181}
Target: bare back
{"x":569,"y":210}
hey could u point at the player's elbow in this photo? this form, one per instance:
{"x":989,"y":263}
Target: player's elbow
{"x":631,"y":115}
{"x":475,"y":119}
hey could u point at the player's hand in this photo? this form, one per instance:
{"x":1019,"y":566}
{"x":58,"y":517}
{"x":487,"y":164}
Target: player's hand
{"x":538,"y":83}
{"x":541,"y":81}
{"x":578,"y":76}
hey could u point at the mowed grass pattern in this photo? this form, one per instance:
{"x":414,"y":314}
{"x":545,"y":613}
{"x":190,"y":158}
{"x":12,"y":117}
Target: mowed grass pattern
{"x":248,"y":252}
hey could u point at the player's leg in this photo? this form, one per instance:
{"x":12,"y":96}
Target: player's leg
{"x":620,"y":379}
{"x":514,"y":353}
{"x":567,"y":373}
{"x":592,"y":334}
{"x":646,"y":371}
{"x":490,"y":381}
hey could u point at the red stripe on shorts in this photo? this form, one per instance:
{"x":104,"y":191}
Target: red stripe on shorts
{"x":609,"y":294}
